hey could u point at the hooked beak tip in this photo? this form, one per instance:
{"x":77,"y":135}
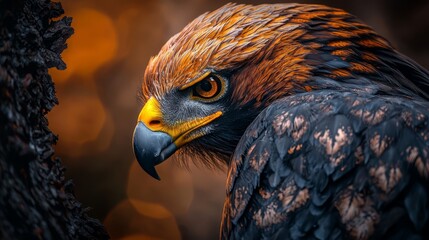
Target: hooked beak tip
{"x":151,"y":148}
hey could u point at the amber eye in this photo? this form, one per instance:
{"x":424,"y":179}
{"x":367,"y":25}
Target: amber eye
{"x":208,"y":88}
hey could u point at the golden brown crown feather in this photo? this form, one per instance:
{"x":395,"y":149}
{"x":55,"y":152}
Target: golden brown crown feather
{"x":266,"y":39}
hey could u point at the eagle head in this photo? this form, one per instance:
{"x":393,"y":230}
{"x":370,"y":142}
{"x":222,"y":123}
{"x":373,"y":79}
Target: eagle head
{"x":211,"y":80}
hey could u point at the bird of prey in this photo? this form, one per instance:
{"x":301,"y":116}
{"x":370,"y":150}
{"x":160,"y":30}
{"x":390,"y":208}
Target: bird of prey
{"x":322,"y":123}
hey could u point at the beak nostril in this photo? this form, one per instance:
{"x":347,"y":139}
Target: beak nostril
{"x":154,"y":123}
{"x":151,"y":115}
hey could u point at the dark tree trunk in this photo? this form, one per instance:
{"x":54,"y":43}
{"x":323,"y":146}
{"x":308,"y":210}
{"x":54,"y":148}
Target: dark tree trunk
{"x":35,"y":200}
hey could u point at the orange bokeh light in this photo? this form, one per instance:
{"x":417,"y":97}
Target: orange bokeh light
{"x":174,"y":191}
{"x":79,"y":120}
{"x":125,"y":222}
{"x":93,"y":44}
{"x":150,"y":209}
{"x":139,"y":237}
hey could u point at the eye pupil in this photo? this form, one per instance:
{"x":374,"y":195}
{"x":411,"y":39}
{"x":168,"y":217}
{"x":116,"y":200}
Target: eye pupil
{"x":206,"y":85}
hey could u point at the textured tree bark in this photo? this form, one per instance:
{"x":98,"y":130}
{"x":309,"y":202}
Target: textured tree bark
{"x":36,"y":202}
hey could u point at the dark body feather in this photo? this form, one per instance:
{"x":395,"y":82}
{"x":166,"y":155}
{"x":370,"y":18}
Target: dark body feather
{"x":331,"y":165}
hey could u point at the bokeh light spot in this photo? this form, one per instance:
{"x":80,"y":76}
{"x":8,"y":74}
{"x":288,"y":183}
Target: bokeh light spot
{"x":150,"y":209}
{"x":139,"y":237}
{"x":78,"y":120}
{"x":125,"y":222}
{"x":174,"y":191}
{"x":93,"y":44}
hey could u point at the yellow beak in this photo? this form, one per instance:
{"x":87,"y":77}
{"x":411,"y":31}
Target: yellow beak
{"x":154,"y":140}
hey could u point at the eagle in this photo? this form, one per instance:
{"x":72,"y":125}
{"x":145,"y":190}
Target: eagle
{"x":322,"y":124}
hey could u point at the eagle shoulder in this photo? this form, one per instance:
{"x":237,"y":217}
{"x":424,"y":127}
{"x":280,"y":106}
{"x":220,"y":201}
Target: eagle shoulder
{"x":327,"y":164}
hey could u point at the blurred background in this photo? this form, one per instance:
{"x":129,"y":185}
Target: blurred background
{"x":106,"y":59}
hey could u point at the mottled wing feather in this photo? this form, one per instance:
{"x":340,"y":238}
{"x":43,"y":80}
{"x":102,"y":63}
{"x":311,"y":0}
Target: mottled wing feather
{"x":331,"y":165}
